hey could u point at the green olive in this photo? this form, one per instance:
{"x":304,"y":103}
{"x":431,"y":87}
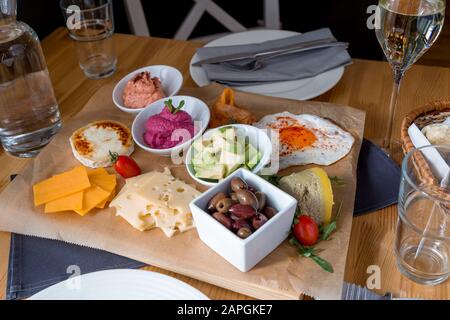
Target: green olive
{"x":213,"y":202}
{"x":223,"y":205}
{"x":244,"y":232}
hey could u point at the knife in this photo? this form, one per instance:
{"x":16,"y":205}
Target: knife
{"x":288,"y":48}
{"x":258,"y":61}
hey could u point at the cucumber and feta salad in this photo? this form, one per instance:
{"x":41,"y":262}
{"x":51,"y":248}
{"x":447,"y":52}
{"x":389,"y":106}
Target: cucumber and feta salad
{"x":222,"y":154}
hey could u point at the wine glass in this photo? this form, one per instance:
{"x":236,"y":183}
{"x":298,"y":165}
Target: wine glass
{"x":405,"y":29}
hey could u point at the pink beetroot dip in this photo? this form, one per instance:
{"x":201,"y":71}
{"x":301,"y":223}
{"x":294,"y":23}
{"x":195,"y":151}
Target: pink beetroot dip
{"x":160,"y":127}
{"x":142,"y":90}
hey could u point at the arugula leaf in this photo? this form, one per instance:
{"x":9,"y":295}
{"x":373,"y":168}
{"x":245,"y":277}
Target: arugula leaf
{"x":337,"y":181}
{"x":311,"y":253}
{"x":324,"y":264}
{"x":293,"y":241}
{"x":274,"y":179}
{"x":326,"y":231}
{"x":307,"y":252}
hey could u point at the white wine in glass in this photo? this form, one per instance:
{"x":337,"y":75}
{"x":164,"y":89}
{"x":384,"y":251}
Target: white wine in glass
{"x":406,"y":29}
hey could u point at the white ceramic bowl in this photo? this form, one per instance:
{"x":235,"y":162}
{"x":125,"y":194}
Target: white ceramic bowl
{"x":196,"y":108}
{"x":244,"y":254}
{"x":257,"y":137}
{"x":171,"y":81}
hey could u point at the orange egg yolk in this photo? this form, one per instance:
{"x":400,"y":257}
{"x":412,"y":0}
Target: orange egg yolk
{"x":297,"y":137}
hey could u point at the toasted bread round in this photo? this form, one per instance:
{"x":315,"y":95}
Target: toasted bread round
{"x":92,"y":144}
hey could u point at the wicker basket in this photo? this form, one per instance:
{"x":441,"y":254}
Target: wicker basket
{"x":433,"y":112}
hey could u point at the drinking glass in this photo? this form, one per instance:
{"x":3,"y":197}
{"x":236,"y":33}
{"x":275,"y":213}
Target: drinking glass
{"x":405,"y":29}
{"x":91,"y":26}
{"x":422,"y":241}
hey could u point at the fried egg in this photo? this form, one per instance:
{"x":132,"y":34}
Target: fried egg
{"x":306,"y":139}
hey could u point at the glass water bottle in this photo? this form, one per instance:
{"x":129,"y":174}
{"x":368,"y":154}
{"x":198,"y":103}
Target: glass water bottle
{"x":29,"y":115}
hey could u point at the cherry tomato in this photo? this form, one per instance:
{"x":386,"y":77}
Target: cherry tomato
{"x":306,"y":231}
{"x":125,"y":166}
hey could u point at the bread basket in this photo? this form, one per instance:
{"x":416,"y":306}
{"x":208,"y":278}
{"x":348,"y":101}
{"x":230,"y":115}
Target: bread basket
{"x":432,"y":112}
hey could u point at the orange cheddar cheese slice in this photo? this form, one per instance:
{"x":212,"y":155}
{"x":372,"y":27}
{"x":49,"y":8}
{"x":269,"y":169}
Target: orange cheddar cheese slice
{"x":97,"y":172}
{"x":110,"y":198}
{"x":112,"y":195}
{"x":101,"y":205}
{"x":106,"y":182}
{"x":91,"y":198}
{"x":70,"y":202}
{"x":61,"y":185}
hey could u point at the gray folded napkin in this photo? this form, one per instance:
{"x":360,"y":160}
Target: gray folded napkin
{"x":287,"y":67}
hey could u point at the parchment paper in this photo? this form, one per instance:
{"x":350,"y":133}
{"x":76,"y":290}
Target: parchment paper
{"x":281,"y":275}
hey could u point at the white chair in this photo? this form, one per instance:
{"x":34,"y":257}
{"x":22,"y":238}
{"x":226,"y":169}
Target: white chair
{"x":136,"y":17}
{"x":139,"y":25}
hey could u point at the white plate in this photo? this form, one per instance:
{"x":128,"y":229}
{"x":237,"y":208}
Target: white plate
{"x":121,"y":285}
{"x":297,"y":89}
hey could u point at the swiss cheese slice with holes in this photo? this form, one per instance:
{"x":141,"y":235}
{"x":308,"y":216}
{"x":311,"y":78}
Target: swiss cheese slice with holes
{"x":156,"y":199}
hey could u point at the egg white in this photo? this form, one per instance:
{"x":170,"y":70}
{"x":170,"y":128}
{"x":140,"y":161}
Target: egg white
{"x":332,"y":142}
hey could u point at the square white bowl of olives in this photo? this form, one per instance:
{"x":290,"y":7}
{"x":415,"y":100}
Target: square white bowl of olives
{"x":242,"y":238}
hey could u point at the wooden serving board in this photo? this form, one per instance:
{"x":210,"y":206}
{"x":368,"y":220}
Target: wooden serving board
{"x":281,"y":275}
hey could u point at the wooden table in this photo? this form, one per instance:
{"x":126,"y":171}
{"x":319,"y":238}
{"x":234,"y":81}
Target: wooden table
{"x":366,"y":85}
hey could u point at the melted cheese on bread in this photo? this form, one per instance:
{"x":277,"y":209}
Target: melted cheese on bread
{"x":91,"y":144}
